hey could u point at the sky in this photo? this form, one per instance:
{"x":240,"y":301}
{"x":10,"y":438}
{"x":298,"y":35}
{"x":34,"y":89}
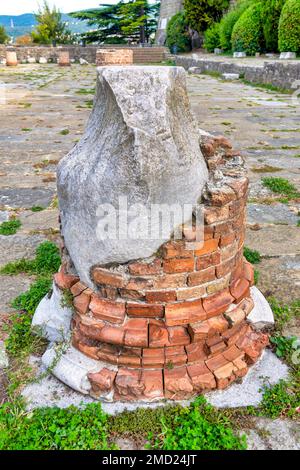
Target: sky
{"x":17,"y":7}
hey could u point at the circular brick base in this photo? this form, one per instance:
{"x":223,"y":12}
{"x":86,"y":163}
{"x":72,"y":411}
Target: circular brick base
{"x":174,"y":325}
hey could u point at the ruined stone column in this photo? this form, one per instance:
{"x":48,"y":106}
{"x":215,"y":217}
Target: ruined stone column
{"x":168,"y":316}
{"x":11,"y":58}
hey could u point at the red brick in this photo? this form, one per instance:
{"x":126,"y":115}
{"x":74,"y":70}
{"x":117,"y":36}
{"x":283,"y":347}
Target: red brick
{"x":136,"y":333}
{"x":236,"y":207}
{"x":208,"y":232}
{"x":216,"y":214}
{"x":131,"y":294}
{"x":128,"y":384}
{"x":200,"y":331}
{"x":252,"y":344}
{"x":65,"y":281}
{"x":201,"y":277}
{"x":145,"y":269}
{"x":108,"y":353}
{"x":190,"y":293}
{"x":184,"y":312}
{"x":248,"y":273}
{"x":81,"y":302}
{"x":240,"y":289}
{"x":196,"y":351}
{"x":218,"y":323}
{"x":86,"y":347}
{"x":176,"y":249}
{"x":91,"y":329}
{"x":229,"y":251}
{"x":153,"y":382}
{"x":232,"y":335}
{"x":105,"y":277}
{"x":222,"y":227}
{"x":179,"y":265}
{"x":209,"y":246}
{"x":241,"y":368}
{"x":77,"y":288}
{"x":217,"y":348}
{"x":112,"y":335}
{"x":158,"y":335}
{"x":108,"y":310}
{"x":217,"y":303}
{"x":221,"y":196}
{"x":160,"y":296}
{"x":232,"y":353}
{"x":175,"y":356}
{"x":207,"y":261}
{"x":192,"y":234}
{"x":178,"y":336}
{"x":153,"y":358}
{"x":102,"y":381}
{"x":130,"y":357}
{"x":223,"y":142}
{"x":167,"y":281}
{"x":216,"y":362}
{"x":201,"y":377}
{"x":144,"y":310}
{"x":139,"y":283}
{"x":247,"y":305}
{"x":225,"y":268}
{"x":177,"y":383}
{"x":235,"y":316}
{"x":108,"y":292}
{"x":227,"y":239}
{"x":207,"y":149}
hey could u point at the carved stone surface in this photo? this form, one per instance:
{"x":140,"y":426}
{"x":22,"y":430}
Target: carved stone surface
{"x":140,"y":143}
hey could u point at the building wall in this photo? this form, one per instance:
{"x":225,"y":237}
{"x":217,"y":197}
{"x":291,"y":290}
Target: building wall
{"x":168,"y":9}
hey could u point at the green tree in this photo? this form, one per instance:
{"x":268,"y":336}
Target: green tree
{"x":3,"y":36}
{"x":271,"y":12}
{"x":50,"y":26}
{"x":201,"y":14}
{"x":228,"y":21}
{"x":289,"y":27}
{"x":247,"y":34}
{"x":125,"y":21}
{"x":178,"y":33}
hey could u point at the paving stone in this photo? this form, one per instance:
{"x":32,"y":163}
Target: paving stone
{"x":43,"y":220}
{"x":271,"y":214}
{"x":275,"y":240}
{"x":18,"y":246}
{"x":275,"y":434}
{"x":26,"y":197}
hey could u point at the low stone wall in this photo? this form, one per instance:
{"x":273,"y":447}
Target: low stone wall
{"x":88,"y":53}
{"x":174,"y":325}
{"x":281,"y":75}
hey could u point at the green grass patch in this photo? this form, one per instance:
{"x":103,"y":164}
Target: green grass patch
{"x":10,"y":227}
{"x":65,"y":132}
{"x":253,"y":256}
{"x":46,"y":262}
{"x":266,"y":169}
{"x":280,"y":400}
{"x":282,"y":187}
{"x":86,"y":91}
{"x":26,"y":129}
{"x":89,"y":103}
{"x":283,"y":313}
{"x":37,"y":208}
{"x":53,"y":428}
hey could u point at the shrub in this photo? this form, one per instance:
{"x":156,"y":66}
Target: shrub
{"x":212,"y":37}
{"x":247,"y":34}
{"x":10,"y":227}
{"x":289,"y":27}
{"x":271,"y":12}
{"x":253,"y":256}
{"x":228,"y":21}
{"x":178,"y":34}
{"x":201,"y":14}
{"x":281,"y":186}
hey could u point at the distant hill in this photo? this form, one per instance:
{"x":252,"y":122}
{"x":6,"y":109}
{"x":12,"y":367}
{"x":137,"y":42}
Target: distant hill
{"x":24,"y":24}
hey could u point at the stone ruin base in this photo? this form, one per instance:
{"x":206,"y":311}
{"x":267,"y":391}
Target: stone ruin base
{"x":172,"y":326}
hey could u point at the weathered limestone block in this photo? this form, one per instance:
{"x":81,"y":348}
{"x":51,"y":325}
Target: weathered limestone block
{"x":141,"y":143}
{"x":64,"y":59}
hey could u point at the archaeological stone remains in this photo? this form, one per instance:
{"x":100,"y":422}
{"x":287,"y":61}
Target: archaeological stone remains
{"x":149,"y":318}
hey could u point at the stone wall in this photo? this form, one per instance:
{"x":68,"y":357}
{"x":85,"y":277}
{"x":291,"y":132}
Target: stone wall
{"x":278,"y":74}
{"x":168,"y":9}
{"x":140,"y":54}
{"x":174,"y":325}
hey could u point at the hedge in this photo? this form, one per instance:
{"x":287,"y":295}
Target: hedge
{"x":271,"y":12}
{"x":178,"y":34}
{"x":212,"y":38}
{"x":289,"y":27}
{"x":247,"y":34}
{"x":228,"y":21}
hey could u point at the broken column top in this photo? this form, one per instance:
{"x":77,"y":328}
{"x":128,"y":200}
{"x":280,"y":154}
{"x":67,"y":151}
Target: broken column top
{"x":141,"y":143}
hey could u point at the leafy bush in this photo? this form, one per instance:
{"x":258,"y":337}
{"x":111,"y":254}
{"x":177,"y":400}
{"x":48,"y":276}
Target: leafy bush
{"x":212,"y":37}
{"x":28,"y":301}
{"x":271,"y":12}
{"x":201,"y":14}
{"x":10,"y":227}
{"x":280,"y":400}
{"x":253,"y":256}
{"x":200,"y":427}
{"x":289,"y":27}
{"x":228,"y":21}
{"x":247,"y":34}
{"x":285,"y":346}
{"x":53,"y":428}
{"x":178,"y":34}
